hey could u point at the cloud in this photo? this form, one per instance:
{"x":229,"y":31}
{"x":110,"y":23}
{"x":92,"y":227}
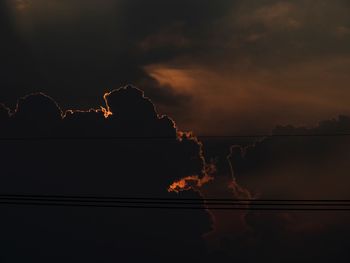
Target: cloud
{"x":298,"y":94}
{"x":297,"y":168}
{"x":130,"y":167}
{"x":300,"y":167}
{"x":37,"y":107}
{"x":280,"y":168}
{"x":131,"y":104}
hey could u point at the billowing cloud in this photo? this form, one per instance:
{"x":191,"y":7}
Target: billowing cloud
{"x":151,"y":155}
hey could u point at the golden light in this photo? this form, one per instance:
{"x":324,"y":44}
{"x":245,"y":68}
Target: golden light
{"x":189,"y":182}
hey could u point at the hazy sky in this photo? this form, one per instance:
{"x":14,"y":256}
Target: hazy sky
{"x":217,"y":67}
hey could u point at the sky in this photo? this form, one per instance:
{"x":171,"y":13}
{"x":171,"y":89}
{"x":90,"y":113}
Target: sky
{"x":177,"y":70}
{"x":217,"y":67}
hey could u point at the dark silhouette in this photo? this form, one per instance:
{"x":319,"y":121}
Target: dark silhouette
{"x":135,"y":163}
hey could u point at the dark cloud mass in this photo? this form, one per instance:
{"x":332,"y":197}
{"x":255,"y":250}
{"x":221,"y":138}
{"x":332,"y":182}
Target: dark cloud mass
{"x":129,"y":168}
{"x":293,"y":168}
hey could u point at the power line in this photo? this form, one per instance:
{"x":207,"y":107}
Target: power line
{"x":100,"y":197}
{"x":134,"y":204}
{"x":176,"y":202}
{"x":276,"y":135}
{"x":128,"y":138}
{"x":170,"y":207}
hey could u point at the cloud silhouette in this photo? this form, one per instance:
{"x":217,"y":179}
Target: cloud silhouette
{"x":314,"y":166}
{"x":297,"y":166}
{"x":38,"y":108}
{"x":144,"y":155}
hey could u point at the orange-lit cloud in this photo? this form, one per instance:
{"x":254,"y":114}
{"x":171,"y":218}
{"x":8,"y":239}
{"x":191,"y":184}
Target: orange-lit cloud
{"x":181,"y":80}
{"x":189,"y":182}
{"x":232,"y":100}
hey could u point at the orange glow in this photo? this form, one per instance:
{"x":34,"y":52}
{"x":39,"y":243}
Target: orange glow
{"x":189,"y":182}
{"x":102,"y":109}
{"x":185,"y":135}
{"x":106,"y":112}
{"x":181,"y":80}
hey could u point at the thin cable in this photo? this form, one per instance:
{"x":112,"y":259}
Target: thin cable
{"x":128,"y":138}
{"x":200,"y":200}
{"x":162,"y":205}
{"x":169,"y":207}
{"x":173,"y":202}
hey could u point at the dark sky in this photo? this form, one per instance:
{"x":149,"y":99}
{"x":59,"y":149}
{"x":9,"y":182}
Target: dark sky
{"x":222,"y":67}
{"x":216,"y":66}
